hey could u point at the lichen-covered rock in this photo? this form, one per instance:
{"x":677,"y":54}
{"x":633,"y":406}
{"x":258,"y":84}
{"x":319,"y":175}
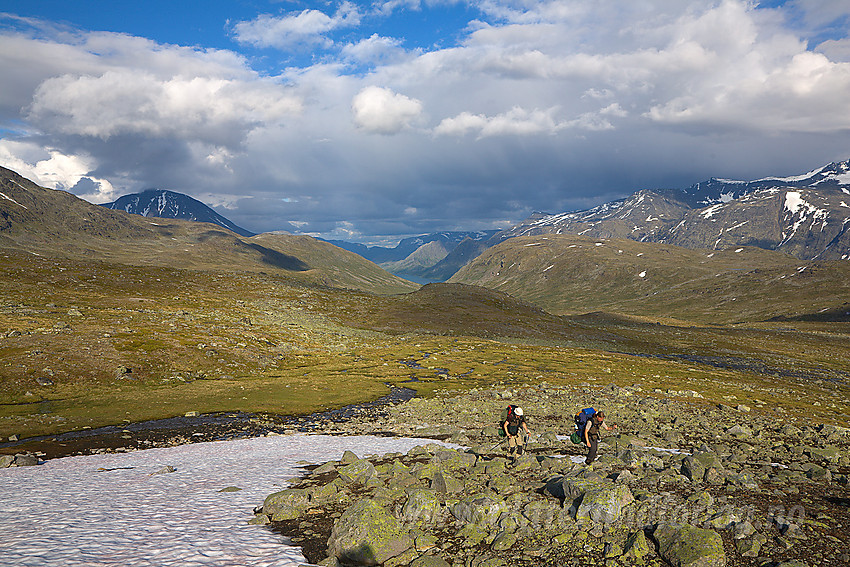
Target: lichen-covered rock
{"x":429,"y":561}
{"x":604,"y":504}
{"x":445,"y":484}
{"x":366,"y":534}
{"x":422,"y":507}
{"x":689,"y":546}
{"x":360,"y":471}
{"x":592,"y":498}
{"x":636,"y":545}
{"x":504,"y":541}
{"x":478,"y":509}
{"x":286,"y":504}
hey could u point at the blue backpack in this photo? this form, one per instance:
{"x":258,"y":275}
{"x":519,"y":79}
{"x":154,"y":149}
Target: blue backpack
{"x":582,"y":417}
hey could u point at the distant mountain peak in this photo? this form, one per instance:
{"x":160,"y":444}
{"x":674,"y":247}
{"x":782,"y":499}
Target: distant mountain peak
{"x":167,"y":204}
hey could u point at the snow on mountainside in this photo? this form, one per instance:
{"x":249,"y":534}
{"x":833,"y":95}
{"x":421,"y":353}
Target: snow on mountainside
{"x":807,"y":216}
{"x":170,"y":205}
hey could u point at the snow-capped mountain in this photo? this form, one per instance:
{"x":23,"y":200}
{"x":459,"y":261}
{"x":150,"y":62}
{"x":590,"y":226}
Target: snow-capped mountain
{"x":807,"y":216}
{"x":171,"y":205}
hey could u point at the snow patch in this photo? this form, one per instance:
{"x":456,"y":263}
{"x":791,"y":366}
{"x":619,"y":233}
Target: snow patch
{"x":709,"y":212}
{"x":534,"y":244}
{"x":739,"y":250}
{"x":793,"y":201}
{"x":109,"y":510}
{"x":5,"y":196}
{"x":642,"y":274}
{"x":549,"y":268}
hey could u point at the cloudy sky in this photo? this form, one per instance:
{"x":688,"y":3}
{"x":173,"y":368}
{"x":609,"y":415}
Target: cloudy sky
{"x":370,"y":121}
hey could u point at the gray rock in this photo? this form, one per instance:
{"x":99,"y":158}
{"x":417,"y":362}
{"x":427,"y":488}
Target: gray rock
{"x":604,"y":504}
{"x":366,"y":534}
{"x":429,"y":561}
{"x":25,"y":460}
{"x":348,"y":457}
{"x":478,"y":509}
{"x":358,"y":472}
{"x":422,"y":507}
{"x":6,"y":461}
{"x":740,"y":431}
{"x":689,"y":546}
{"x":445,"y":484}
{"x":286,"y":504}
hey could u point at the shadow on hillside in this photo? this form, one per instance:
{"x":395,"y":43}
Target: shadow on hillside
{"x":837,"y":315}
{"x":278,"y":259}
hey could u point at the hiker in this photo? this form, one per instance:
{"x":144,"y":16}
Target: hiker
{"x":513,"y":421}
{"x":590,"y":435}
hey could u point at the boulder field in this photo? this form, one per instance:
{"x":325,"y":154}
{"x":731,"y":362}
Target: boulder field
{"x":679,"y":482}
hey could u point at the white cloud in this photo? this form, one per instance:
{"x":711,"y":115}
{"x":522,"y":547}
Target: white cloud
{"x":381,"y":111}
{"x":55,"y":170}
{"x":375,"y":49}
{"x":130,"y":101}
{"x":304,"y":28}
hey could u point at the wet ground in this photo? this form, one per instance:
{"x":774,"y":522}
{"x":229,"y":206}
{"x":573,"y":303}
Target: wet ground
{"x":206,"y":427}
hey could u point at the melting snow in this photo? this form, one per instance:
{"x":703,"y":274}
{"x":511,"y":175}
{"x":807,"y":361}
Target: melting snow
{"x":549,"y":268}
{"x":534,"y":244}
{"x":709,"y":212}
{"x":793,"y":200}
{"x":68,"y":512}
{"x":642,"y":274}
{"x":739,"y":250}
{"x":5,"y":196}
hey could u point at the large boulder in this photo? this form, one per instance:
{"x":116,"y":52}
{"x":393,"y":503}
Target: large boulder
{"x":422,"y":507}
{"x":366,"y":534}
{"x":592,"y":498}
{"x":604,"y":504}
{"x":357,"y":472}
{"x":700,"y":465}
{"x":689,"y":546}
{"x":286,"y":504}
{"x":478,"y":509}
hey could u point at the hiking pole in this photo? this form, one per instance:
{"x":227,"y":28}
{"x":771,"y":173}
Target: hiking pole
{"x":497,"y":444}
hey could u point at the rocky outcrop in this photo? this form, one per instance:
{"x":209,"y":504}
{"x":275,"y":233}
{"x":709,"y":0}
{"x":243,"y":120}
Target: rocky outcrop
{"x":672,"y":487}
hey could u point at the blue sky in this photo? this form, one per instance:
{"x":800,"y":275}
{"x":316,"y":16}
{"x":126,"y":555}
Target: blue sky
{"x":372,"y":121}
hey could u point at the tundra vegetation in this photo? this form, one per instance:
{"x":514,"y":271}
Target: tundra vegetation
{"x":99,"y":328}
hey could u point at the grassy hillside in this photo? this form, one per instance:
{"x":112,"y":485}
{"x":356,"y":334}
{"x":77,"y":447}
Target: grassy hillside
{"x":573,"y":275}
{"x":56,"y":224}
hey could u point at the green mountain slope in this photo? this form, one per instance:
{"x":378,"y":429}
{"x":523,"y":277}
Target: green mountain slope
{"x":572,"y":275}
{"x":57,"y":224}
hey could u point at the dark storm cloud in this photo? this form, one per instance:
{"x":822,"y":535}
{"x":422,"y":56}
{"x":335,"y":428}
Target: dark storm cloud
{"x":540,"y":106}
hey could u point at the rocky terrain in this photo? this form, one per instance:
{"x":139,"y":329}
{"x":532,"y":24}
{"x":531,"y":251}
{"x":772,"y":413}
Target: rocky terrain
{"x":680,"y":481}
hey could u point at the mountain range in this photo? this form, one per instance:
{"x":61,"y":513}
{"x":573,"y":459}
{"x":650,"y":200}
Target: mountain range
{"x":806,"y":216}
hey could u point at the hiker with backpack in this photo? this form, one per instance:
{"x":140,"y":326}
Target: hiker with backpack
{"x":514,"y":419}
{"x":588,"y":421}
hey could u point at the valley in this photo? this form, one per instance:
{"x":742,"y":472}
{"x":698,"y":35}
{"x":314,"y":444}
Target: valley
{"x":109,"y":318}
